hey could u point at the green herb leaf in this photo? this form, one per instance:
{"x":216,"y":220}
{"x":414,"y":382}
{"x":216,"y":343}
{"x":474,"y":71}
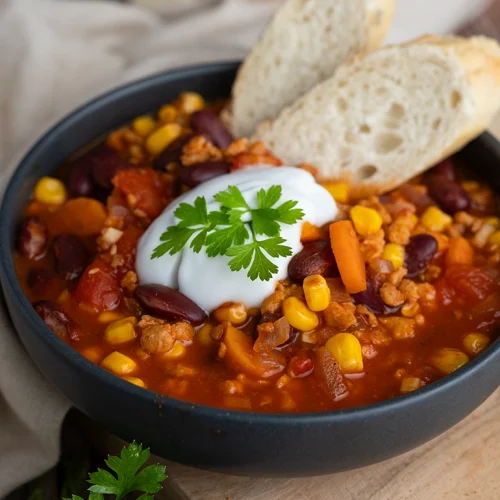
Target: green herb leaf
{"x":231,"y":198}
{"x":264,"y":221}
{"x":221,"y":240}
{"x":267,"y":199}
{"x":288,"y":214}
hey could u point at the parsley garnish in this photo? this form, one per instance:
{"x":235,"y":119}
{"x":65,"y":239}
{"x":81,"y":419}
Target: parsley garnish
{"x":227,"y":231}
{"x":128,"y":476}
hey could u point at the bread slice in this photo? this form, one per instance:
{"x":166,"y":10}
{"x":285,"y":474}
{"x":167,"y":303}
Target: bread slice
{"x":388,"y":115}
{"x":302,"y":46}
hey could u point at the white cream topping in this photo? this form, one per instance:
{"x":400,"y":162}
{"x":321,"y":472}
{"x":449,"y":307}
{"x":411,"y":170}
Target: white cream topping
{"x":209,"y":282}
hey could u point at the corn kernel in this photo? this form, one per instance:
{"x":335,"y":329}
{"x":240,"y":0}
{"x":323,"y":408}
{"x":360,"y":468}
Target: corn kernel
{"x":476,"y":342}
{"x":136,"y":381}
{"x":50,"y":191}
{"x":167,"y":114}
{"x":189,"y":102}
{"x":162,"y":137}
{"x":366,"y":220}
{"x":346,"y":350}
{"x":448,"y":360}
{"x":435,"y":219}
{"x":409,"y":310}
{"x":494,"y":239}
{"x":144,"y":125}
{"x":410,"y":384}
{"x":93,"y":353}
{"x":395,"y":254}
{"x":492,"y":221}
{"x":234,"y":312}
{"x":317,"y":292}
{"x":176,"y":352}
{"x":118,"y":363}
{"x":109,"y":316}
{"x":338,"y":190}
{"x":203,"y":334}
{"x":121,"y":331}
{"x":298,"y":315}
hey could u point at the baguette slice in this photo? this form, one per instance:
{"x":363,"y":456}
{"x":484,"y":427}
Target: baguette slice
{"x":388,"y":115}
{"x":302,"y":46}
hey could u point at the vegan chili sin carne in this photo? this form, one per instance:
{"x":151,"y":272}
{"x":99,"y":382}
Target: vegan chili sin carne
{"x":414,"y":298}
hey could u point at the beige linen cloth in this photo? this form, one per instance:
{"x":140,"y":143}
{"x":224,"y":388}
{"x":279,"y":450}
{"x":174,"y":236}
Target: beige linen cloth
{"x":54,"y":55}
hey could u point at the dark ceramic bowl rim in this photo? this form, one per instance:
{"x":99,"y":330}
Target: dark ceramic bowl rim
{"x":100,"y":375}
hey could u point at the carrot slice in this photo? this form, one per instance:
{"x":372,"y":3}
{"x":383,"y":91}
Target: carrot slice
{"x":79,"y":216}
{"x":459,"y":252}
{"x":310,"y":232}
{"x":345,"y":247}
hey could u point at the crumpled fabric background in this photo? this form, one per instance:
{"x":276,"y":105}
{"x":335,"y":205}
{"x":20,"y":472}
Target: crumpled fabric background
{"x":54,"y":55}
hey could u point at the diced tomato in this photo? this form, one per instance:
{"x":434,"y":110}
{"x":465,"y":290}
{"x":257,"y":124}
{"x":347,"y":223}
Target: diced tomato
{"x":149,"y":191}
{"x":466,"y":281}
{"x":127,"y":247}
{"x":244,"y":159}
{"x":99,"y":287}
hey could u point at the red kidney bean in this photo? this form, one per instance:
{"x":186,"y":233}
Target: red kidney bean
{"x":371,"y":297}
{"x":451,"y":197}
{"x":207,"y":123}
{"x":71,"y":256}
{"x":106,"y":162}
{"x":196,"y":174}
{"x":173,"y":152}
{"x":38,"y":280}
{"x":315,"y":258}
{"x":419,"y":252}
{"x":170,"y":304}
{"x":56,"y":319}
{"x":300,"y":366}
{"x":444,"y":170}
{"x":80,"y":181}
{"x":33,"y":238}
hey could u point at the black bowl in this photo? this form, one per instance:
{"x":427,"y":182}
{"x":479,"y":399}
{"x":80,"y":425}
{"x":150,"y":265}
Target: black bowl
{"x":228,"y":441}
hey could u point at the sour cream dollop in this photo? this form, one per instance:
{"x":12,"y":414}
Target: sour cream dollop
{"x":209,"y":282}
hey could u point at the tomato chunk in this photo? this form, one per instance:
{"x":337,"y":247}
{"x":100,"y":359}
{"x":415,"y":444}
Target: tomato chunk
{"x":99,"y":287}
{"x":146,"y":190}
{"x":127,"y":247}
{"x":466,"y":281}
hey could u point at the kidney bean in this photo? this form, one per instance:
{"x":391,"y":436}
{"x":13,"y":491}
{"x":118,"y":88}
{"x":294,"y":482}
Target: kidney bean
{"x":419,"y":252}
{"x":170,"y":304}
{"x":106,"y":162}
{"x":207,"y":123}
{"x":444,"y":170}
{"x":173,"y":152}
{"x":370,"y":297}
{"x":196,"y":174}
{"x":56,"y":319}
{"x":71,"y":256}
{"x":33,"y":238}
{"x":450,"y":196}
{"x":80,"y":181}
{"x":38,"y":280}
{"x":315,"y":258}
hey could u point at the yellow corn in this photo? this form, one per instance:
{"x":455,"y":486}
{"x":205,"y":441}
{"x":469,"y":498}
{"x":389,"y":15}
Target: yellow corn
{"x":298,"y":315}
{"x":234,"y":312}
{"x":338,"y":190}
{"x":317,"y":292}
{"x":410,"y":384}
{"x":121,"y":331}
{"x":448,"y":360}
{"x":162,"y":137}
{"x":492,"y":221}
{"x":118,"y":363}
{"x":394,"y":253}
{"x":366,"y":220}
{"x":435,"y":219}
{"x":494,"y":239}
{"x":409,"y":310}
{"x":109,"y":316}
{"x":346,"y":350}
{"x":167,"y":114}
{"x":203,"y":334}
{"x":50,"y":191}
{"x":471,"y":186}
{"x":93,"y":353}
{"x":176,"y":352}
{"x":189,"y":102}
{"x":476,"y":342}
{"x":144,"y":125}
{"x":136,"y":381}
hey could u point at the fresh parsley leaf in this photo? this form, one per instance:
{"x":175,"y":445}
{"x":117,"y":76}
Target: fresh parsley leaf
{"x":231,"y":198}
{"x":275,"y":248}
{"x":221,"y":240}
{"x":288,"y":214}
{"x":192,"y":215}
{"x":175,"y":239}
{"x":129,"y":477}
{"x":242,"y":254}
{"x":267,"y":199}
{"x":264,"y":221}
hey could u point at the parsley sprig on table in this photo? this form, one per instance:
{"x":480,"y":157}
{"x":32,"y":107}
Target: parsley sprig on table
{"x":129,"y":478}
{"x":226,"y":231}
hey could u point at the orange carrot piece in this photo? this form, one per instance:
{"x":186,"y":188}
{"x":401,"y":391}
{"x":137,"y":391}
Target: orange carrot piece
{"x":460,"y":251}
{"x":78,"y":216}
{"x":310,"y":232}
{"x":345,"y":247}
